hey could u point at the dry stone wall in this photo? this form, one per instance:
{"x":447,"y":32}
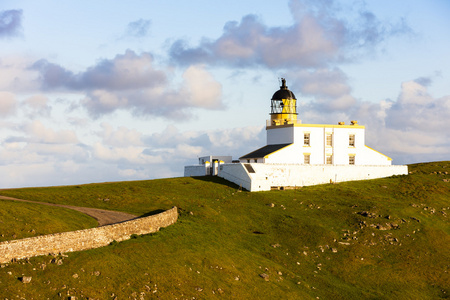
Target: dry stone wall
{"x":84,"y":239}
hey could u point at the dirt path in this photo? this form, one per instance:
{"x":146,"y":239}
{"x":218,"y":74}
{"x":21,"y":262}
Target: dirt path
{"x":104,"y":217}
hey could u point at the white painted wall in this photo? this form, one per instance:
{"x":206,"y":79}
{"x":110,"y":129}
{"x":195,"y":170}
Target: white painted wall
{"x":291,"y":154}
{"x":374,"y":157}
{"x":292,"y":175}
{"x":198,"y":170}
{"x":295,"y":175}
{"x":237,"y":174}
{"x":318,"y":150}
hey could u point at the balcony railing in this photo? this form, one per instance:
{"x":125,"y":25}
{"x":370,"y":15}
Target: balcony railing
{"x":279,"y":122}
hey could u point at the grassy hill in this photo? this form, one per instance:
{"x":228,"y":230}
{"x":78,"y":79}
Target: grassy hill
{"x":20,"y":220}
{"x":379,"y":239}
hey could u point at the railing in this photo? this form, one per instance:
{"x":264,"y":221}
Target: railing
{"x":279,"y":122}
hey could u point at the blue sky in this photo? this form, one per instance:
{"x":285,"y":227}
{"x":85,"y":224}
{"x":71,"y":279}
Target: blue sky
{"x":112,"y":90}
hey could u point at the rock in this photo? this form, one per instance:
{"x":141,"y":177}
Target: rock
{"x":75,"y":275}
{"x":264,"y":276}
{"x":25,"y":279}
{"x":334,"y":250}
{"x":272,"y":205}
{"x":276,"y":245}
{"x":57,"y":261}
{"x":343,"y":243}
{"x":381,"y":227}
{"x":367,"y":214}
{"x":394,"y":225}
{"x":97,"y":273}
{"x":279,"y":273}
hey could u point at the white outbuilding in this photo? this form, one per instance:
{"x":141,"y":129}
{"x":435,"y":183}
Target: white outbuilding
{"x":300,"y":154}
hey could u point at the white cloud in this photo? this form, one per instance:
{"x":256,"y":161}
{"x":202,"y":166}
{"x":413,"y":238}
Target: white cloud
{"x":38,"y":106}
{"x":201,"y":88}
{"x":38,"y":133}
{"x":130,"y":154}
{"x":121,"y":137}
{"x":329,"y":88}
{"x":16,"y":76}
{"x":7,"y":104}
{"x":100,"y":102}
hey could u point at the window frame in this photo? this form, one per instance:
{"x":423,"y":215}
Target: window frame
{"x":351,"y":159}
{"x":307,"y":161}
{"x":351,"y":140}
{"x":307,"y":139}
{"x":329,"y":139}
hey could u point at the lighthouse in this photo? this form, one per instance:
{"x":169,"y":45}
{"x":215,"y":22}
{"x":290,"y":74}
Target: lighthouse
{"x":298,"y":154}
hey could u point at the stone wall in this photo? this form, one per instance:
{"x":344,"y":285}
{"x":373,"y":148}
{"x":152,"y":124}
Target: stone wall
{"x":84,"y":239}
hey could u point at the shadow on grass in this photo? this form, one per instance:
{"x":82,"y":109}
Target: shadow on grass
{"x":151,"y":213}
{"x":218,"y":180}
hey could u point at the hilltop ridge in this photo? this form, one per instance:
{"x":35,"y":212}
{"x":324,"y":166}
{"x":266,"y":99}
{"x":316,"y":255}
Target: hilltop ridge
{"x":385,"y":239}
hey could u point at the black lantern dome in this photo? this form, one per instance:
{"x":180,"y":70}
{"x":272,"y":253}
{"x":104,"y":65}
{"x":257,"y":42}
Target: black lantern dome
{"x":283,"y":92}
{"x":283,"y":108}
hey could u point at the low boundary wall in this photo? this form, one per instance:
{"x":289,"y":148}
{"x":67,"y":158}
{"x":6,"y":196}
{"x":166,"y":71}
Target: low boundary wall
{"x":256,"y":177}
{"x":86,"y":238}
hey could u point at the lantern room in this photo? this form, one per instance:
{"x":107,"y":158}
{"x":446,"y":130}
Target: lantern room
{"x":283,"y":108}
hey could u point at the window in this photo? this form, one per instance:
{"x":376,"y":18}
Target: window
{"x":329,"y":159}
{"x":306,"y":159}
{"x":351,"y":140}
{"x":351,"y":160}
{"x":306,"y":139}
{"x":256,"y":160}
{"x":330,"y":139}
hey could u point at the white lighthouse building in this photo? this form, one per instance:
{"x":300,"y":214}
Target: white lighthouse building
{"x":299,"y":154}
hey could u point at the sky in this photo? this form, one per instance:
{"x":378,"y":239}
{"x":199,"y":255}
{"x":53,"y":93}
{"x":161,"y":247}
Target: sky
{"x":100,"y":91}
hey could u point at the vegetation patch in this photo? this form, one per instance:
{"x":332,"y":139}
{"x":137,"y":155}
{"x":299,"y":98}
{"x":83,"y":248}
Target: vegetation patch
{"x":20,"y":220}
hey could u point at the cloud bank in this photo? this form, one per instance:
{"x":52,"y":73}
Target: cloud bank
{"x":131,"y":82}
{"x":10,"y":23}
{"x":317,"y":38}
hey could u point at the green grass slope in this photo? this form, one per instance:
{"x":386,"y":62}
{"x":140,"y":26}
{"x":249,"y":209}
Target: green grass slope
{"x":379,"y":239}
{"x":20,"y":220}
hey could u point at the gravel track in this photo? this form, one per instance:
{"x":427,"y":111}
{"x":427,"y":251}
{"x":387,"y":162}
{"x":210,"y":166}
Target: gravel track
{"x":103,"y":217}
